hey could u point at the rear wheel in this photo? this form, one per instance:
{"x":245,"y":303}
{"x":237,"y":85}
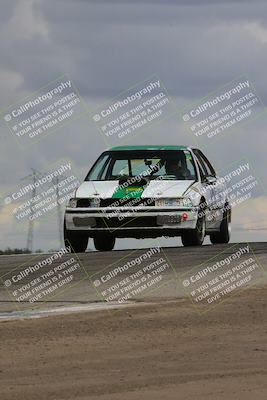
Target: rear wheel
{"x":196,"y":236}
{"x":223,"y":236}
{"x":104,"y":242}
{"x":78,"y":241}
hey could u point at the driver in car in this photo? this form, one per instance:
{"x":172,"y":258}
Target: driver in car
{"x":177,"y":167}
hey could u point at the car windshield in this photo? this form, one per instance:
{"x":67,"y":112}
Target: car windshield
{"x":151,"y":164}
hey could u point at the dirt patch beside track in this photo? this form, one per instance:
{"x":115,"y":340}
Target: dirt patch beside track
{"x":164,"y":349}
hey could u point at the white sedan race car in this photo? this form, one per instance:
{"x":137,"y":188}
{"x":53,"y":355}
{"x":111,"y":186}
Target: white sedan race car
{"x":148,"y":192}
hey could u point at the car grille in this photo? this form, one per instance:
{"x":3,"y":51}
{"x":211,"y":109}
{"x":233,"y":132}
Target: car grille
{"x":137,"y":222}
{"x":126,"y":203}
{"x":117,"y":202}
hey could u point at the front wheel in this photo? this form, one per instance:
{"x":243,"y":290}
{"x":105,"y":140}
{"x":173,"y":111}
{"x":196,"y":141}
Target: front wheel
{"x":223,"y":236}
{"x":77,"y":241}
{"x":196,"y":236}
{"x":104,"y":242}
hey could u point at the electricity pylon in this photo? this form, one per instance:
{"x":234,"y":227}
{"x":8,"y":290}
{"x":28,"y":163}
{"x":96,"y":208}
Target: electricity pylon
{"x":59,"y":212}
{"x":33,"y":176}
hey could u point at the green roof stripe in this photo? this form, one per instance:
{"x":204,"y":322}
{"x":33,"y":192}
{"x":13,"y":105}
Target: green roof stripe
{"x":148,"y":147}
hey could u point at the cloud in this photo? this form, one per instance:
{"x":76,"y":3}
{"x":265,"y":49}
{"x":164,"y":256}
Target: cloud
{"x":195,"y":46}
{"x":258,"y":31}
{"x":251,"y":215}
{"x":11,"y":81}
{"x":27,"y":21}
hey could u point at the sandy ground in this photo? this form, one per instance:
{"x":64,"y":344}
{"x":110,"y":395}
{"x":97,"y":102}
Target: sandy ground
{"x":160,"y":350}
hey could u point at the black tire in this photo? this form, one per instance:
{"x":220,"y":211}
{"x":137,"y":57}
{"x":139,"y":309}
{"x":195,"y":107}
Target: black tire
{"x":78,"y":241}
{"x":195,"y":237}
{"x":104,"y":241}
{"x":225,"y":230}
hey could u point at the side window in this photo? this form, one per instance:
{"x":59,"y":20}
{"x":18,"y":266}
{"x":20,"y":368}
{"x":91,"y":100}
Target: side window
{"x":208,"y":165}
{"x":202,"y":172}
{"x":201,"y":165}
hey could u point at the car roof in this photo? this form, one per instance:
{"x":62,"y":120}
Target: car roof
{"x":149,"y":147}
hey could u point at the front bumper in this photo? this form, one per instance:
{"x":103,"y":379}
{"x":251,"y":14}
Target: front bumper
{"x":124,"y":219}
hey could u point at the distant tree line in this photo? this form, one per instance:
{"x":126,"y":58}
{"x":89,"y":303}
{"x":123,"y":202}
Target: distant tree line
{"x":8,"y":250}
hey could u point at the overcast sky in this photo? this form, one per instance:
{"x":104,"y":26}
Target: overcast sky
{"x":194,"y":46}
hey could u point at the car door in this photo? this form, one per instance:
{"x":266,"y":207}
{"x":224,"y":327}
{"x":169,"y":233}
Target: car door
{"x":218,"y":191}
{"x":205,"y":189}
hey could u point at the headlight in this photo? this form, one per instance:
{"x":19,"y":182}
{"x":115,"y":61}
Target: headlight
{"x":72,"y":203}
{"x":179,"y":202}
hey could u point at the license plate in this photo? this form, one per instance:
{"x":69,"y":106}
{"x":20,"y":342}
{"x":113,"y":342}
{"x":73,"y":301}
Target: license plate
{"x":169,"y":219}
{"x":87,"y":222}
{"x":167,"y":202}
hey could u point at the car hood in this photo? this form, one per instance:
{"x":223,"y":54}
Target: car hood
{"x":155,"y":188}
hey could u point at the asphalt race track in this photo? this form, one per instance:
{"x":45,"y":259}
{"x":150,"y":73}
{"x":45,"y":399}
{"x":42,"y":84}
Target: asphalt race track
{"x":86,"y":287}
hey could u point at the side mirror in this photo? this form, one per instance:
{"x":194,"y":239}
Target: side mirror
{"x":210,"y":180}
